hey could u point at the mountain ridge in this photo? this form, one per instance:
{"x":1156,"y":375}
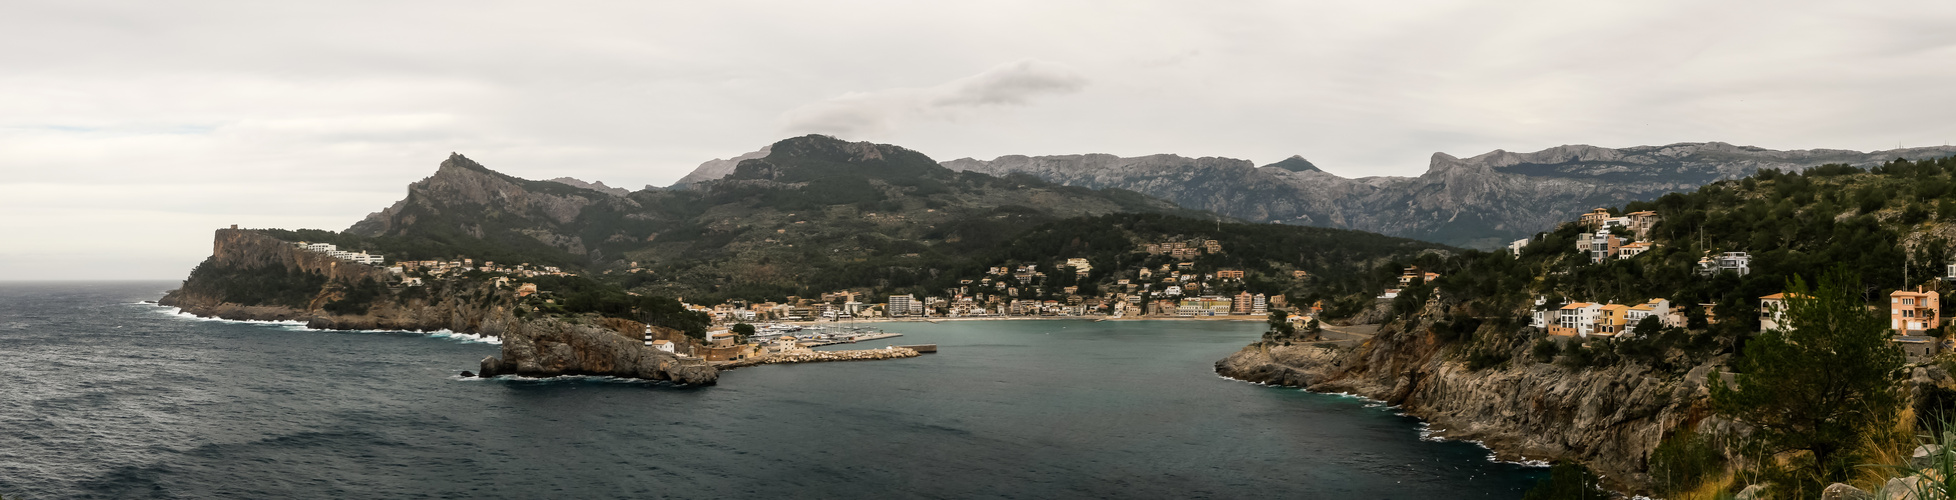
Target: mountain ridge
{"x":1481,"y":201}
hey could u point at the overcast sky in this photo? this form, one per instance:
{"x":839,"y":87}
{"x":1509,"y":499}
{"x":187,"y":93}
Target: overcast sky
{"x":130,"y":130}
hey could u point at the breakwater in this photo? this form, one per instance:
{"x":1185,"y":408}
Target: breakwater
{"x":823,"y":356}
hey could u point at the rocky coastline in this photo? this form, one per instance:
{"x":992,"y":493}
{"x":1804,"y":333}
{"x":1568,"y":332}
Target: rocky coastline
{"x":1608,"y":419}
{"x":550,"y":348}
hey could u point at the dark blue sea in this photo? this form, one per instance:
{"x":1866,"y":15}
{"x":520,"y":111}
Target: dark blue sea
{"x":105,"y":397}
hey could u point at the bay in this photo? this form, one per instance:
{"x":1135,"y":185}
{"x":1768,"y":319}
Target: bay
{"x":106,"y":397}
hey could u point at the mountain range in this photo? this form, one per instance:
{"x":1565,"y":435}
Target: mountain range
{"x":1482,"y":201}
{"x":813,"y":214}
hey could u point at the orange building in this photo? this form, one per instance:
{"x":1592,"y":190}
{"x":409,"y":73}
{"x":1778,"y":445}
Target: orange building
{"x":1595,"y":217}
{"x":1913,"y":311}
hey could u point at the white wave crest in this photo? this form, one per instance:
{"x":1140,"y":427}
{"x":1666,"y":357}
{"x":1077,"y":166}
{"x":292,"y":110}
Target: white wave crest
{"x":467,"y":337}
{"x":300,"y":326}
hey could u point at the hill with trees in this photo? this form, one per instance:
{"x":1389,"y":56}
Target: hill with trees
{"x":1461,"y":351}
{"x":816,"y":214}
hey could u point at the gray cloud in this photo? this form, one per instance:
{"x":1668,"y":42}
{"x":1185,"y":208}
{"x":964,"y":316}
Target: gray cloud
{"x":859,"y":114}
{"x":129,"y":129}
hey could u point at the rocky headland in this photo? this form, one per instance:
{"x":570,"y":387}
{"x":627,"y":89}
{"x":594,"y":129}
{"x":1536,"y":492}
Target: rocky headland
{"x":1606,"y":418}
{"x":549,"y":348}
{"x":231,"y":285}
{"x":252,"y":276}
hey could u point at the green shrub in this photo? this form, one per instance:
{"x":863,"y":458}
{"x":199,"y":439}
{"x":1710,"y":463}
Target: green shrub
{"x":358,"y":298}
{"x":1570,"y":481}
{"x":1486,"y":358}
{"x":1545,"y":350}
{"x":1683,"y":461}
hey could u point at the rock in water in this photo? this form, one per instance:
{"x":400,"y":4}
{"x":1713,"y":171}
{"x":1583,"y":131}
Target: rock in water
{"x":466,"y":374}
{"x":548,"y":348}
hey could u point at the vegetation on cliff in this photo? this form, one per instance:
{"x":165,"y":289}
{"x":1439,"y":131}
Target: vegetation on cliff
{"x":254,"y":269}
{"x":1884,"y":229}
{"x":1876,"y":224}
{"x":269,"y":285}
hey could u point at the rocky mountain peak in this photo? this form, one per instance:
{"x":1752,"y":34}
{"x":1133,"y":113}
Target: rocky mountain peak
{"x":460,"y":182}
{"x":831,"y":149}
{"x":717,"y":168}
{"x":810,"y":157}
{"x":1295,"y":163}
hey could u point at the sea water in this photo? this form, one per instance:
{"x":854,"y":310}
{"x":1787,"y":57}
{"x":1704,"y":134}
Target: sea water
{"x":102,"y":396}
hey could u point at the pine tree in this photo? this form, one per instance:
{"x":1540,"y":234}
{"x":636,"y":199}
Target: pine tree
{"x":1823,"y":380}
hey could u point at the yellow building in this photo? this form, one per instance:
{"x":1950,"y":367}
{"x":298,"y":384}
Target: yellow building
{"x":1610,"y":319}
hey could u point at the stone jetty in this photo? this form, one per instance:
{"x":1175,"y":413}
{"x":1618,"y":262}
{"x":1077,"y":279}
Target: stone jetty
{"x":809,"y":356}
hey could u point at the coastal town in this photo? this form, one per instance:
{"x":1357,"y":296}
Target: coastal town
{"x":1170,"y":290}
{"x":1914,"y":315}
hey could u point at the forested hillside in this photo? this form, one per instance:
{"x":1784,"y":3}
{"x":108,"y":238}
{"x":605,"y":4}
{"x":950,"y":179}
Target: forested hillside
{"x":818,"y":214}
{"x":1647,"y":409}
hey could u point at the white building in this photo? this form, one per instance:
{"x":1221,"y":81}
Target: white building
{"x":1517,"y":245}
{"x":905,"y":305}
{"x":322,"y":247}
{"x":1772,"y":312}
{"x":1259,"y":305}
{"x":1632,"y":250}
{"x":1080,"y":266}
{"x":1655,"y":307}
{"x":1580,"y":318}
{"x":1542,"y":316}
{"x":1737,"y":262}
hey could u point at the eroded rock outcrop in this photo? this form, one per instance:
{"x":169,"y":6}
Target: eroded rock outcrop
{"x":550,"y":348}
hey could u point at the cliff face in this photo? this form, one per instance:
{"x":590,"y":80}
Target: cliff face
{"x":232,"y":284}
{"x":1483,"y":201}
{"x":550,"y":348}
{"x":1607,"y":418}
{"x":244,"y":248}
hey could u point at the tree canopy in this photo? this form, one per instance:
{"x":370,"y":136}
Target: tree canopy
{"x":1822,"y":380}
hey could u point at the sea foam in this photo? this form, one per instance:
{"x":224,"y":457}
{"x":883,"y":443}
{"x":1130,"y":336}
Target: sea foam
{"x":300,"y":326}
